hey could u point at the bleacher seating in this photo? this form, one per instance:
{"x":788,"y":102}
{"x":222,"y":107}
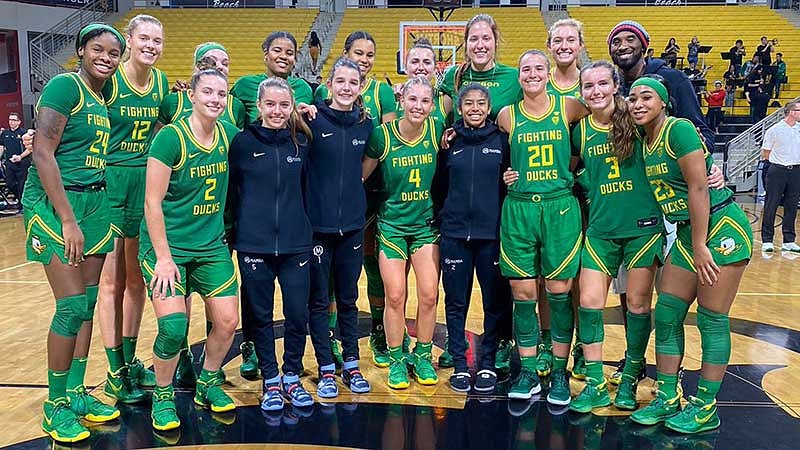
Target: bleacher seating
{"x":718,"y":26}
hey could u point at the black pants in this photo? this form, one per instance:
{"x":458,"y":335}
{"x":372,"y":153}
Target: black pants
{"x":714,"y":117}
{"x":781,"y":183}
{"x":341,"y":255}
{"x":16,"y":175}
{"x":259,"y":272}
{"x":460,"y":261}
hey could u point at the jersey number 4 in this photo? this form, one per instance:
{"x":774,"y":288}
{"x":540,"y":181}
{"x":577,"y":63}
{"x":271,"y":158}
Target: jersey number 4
{"x":414,"y":178}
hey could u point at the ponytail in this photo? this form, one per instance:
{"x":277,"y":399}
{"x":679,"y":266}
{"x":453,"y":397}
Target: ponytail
{"x":623,"y":129}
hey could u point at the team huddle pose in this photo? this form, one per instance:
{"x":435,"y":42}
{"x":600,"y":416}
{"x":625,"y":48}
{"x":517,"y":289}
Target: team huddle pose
{"x":134,"y":187}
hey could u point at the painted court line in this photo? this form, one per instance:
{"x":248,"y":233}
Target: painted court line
{"x":8,"y":269}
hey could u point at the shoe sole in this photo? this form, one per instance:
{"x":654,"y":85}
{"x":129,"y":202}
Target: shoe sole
{"x":379,"y":364}
{"x":250,"y":376}
{"x":716,"y":425}
{"x":54,"y":434}
{"x":427,"y":381}
{"x":625,"y":408}
{"x":272,"y":408}
{"x":126,"y":401}
{"x":463,"y":391}
{"x":580,"y":376}
{"x":403,"y":385}
{"x":485,"y":390}
{"x":615,"y":382}
{"x":651,"y":423}
{"x":360,"y":391}
{"x":525,"y":395}
{"x":543,"y":373}
{"x":101,"y":419}
{"x":333,"y":395}
{"x":216,"y":409}
{"x":167,"y":427}
{"x":557,"y":401}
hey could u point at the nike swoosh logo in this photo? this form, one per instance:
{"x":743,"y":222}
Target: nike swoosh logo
{"x":256,"y":155}
{"x":703,"y":420}
{"x":496,"y":263}
{"x":591,"y":136}
{"x":303,"y":263}
{"x":397,"y":147}
{"x":125,"y":95}
{"x":519,"y":124}
{"x":327,"y":134}
{"x":357,"y":247}
{"x":187,"y":110}
{"x":193,"y":155}
{"x":89,"y":105}
{"x":564,"y":211}
{"x":458,"y":151}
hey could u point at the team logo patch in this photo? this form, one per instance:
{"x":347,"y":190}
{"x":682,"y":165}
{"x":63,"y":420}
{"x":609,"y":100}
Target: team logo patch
{"x":318,"y":250}
{"x":37,"y":245}
{"x":727,"y":246}
{"x":221,"y":150}
{"x":426,"y":144}
{"x":358,"y":142}
{"x":291,"y":159}
{"x":555,"y":119}
{"x":155,"y":97}
{"x":367,"y":98}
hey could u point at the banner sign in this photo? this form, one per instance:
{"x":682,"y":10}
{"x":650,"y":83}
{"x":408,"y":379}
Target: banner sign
{"x":222,"y":3}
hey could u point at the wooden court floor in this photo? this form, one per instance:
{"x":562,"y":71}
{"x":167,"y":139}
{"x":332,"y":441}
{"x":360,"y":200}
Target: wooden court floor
{"x":765,"y":324}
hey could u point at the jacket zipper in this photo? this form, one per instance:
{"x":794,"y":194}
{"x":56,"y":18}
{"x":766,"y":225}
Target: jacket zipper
{"x":341,"y":180}
{"x":471,"y":194}
{"x":277,"y":196}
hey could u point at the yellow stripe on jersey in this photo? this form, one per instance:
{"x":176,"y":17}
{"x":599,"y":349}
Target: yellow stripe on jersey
{"x":178,"y":108}
{"x":642,"y":251}
{"x":513,"y":119}
{"x":432,"y":128}
{"x":386,"y":143}
{"x":223,"y":136}
{"x":597,"y":260}
{"x":230,"y":107}
{"x":37,"y":220}
{"x":182,"y":159}
{"x":583,"y":136}
{"x":134,"y":89}
{"x":649,"y":149}
{"x":682,"y":250}
{"x":224,"y":286}
{"x":394,"y":247}
{"x":91,"y":92}
{"x":511,"y":264}
{"x":568,"y":259}
{"x":549,"y":111}
{"x":420,"y":138}
{"x":102,"y":242}
{"x":114,"y":90}
{"x":728,"y":221}
{"x":185,"y":125}
{"x":152,"y":272}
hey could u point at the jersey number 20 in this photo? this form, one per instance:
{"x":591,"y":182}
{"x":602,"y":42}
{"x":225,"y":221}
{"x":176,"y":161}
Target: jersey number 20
{"x":540,"y":155}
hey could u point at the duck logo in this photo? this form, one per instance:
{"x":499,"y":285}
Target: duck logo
{"x":555,"y":119}
{"x":727,"y":246}
{"x":37,"y":245}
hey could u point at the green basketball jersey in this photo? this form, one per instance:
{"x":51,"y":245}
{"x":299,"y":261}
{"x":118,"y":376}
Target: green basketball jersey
{"x":502,"y":82}
{"x":540,"y":149}
{"x":178,"y":106}
{"x":677,"y":138}
{"x":378,"y":98}
{"x":437,"y":112}
{"x":81,"y":154}
{"x":620,"y":202}
{"x":195,"y":200}
{"x":407,"y":170}
{"x":246,"y":90}
{"x":571,"y":91}
{"x":132,"y":113}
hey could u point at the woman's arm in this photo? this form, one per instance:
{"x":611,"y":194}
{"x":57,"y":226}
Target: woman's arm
{"x":693,"y":168}
{"x":166,"y":272}
{"x":368,"y":165}
{"x":51,"y":125}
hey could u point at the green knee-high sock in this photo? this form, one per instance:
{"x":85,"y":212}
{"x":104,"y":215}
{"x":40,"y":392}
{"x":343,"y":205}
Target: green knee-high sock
{"x":669,"y":384}
{"x":559,"y":363}
{"x":707,"y":390}
{"x":115,"y":358}
{"x":526,"y":324}
{"x":129,"y":348}
{"x":528,"y":362}
{"x":56,"y":384}
{"x":638,"y":334}
{"x":332,"y":319}
{"x":562,"y":320}
{"x":594,"y":372}
{"x":77,"y":371}
{"x":547,"y":338}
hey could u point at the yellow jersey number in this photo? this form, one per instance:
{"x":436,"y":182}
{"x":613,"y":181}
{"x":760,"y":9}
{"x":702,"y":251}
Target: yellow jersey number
{"x":614,"y":167}
{"x":140,"y":130}
{"x":100,"y":144}
{"x":662,"y":190}
{"x":540,"y":155}
{"x":414,"y":177}
{"x":212,"y":184}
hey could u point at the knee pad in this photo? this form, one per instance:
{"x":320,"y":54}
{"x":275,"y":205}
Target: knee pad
{"x":638,"y":334}
{"x":374,"y":281}
{"x":562,"y":319}
{"x":526,"y":324}
{"x":171,"y":333}
{"x":669,"y":316}
{"x":591,"y":325}
{"x":715,"y":336}
{"x":91,"y":301}
{"x":67,"y":319}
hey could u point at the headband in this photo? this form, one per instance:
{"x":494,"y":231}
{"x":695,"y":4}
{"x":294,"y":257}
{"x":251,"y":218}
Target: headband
{"x":654,"y":84}
{"x":205,"y":48}
{"x":103,"y":27}
{"x":634,"y":27}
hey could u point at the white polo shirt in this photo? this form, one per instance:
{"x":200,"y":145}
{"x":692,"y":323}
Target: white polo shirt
{"x":783,"y":142}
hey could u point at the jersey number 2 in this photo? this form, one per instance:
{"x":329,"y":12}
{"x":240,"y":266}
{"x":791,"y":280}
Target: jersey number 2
{"x":212,"y":184}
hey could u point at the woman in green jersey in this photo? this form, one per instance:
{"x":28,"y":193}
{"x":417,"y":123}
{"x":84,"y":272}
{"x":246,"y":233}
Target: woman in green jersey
{"x":183,"y":243}
{"x":133,"y":96}
{"x":711,"y":252}
{"x":68,"y":224}
{"x":280,"y":51}
{"x":208,"y":55}
{"x":565,"y":43}
{"x":540,"y":232}
{"x":481,"y":38}
{"x":406,"y":151}
{"x":421,"y":62}
{"x":613,"y":176}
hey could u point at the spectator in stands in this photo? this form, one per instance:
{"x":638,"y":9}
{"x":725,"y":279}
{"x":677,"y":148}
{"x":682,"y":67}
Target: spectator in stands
{"x":779,"y":74}
{"x":764,"y":51}
{"x":757,"y":94}
{"x":627,"y":43}
{"x":671,"y":52}
{"x":649,"y":55}
{"x":736,"y":53}
{"x":693,"y":50}
{"x":781,"y":151}
{"x":749,"y":66}
{"x":731,"y":83}
{"x":314,"y":48}
{"x":692,"y":71}
{"x":15,"y":158}
{"x":715,"y":100}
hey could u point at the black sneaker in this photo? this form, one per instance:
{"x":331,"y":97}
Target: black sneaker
{"x":460,"y":381}
{"x":486,"y":381}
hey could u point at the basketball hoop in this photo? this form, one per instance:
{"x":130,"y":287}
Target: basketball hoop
{"x":446,"y":38}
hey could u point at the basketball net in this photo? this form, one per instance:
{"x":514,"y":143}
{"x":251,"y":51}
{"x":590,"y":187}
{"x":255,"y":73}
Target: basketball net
{"x":447,"y":39}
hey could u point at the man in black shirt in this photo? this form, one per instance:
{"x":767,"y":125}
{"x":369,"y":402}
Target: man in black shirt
{"x":16,"y":160}
{"x":737,"y":52}
{"x":764,"y":51}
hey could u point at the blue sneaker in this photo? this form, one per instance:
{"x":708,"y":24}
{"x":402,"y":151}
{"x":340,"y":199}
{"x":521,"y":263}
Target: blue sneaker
{"x":326,"y":387}
{"x":272,"y":399}
{"x":355,"y":381}
{"x":295,"y":392}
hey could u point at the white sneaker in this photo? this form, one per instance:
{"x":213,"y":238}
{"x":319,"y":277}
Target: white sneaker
{"x":767,"y":247}
{"x":791,"y":247}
